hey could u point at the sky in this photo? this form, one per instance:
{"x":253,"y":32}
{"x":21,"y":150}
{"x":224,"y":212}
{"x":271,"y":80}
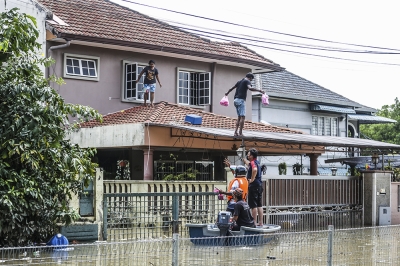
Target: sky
{"x":371,"y":25}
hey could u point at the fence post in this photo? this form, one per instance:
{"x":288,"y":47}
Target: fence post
{"x":330,"y":244}
{"x":105,"y":213}
{"x":175,"y":249}
{"x":175,"y":230}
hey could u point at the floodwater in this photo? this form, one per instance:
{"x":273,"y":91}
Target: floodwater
{"x":367,"y":246}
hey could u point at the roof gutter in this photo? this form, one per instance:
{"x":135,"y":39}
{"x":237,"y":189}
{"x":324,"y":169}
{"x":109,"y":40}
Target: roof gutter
{"x":256,"y":64}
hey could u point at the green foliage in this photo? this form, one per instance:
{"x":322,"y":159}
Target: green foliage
{"x":385,"y":132}
{"x":18,"y":34}
{"x":282,"y":168}
{"x":39,"y":167}
{"x":188,"y":174}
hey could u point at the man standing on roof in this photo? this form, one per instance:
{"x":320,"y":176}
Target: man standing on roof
{"x":240,"y":100}
{"x":149,"y":84}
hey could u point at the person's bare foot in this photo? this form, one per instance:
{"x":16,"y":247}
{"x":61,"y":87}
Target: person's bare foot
{"x":151,"y":105}
{"x":235,"y":134}
{"x":145,"y":104}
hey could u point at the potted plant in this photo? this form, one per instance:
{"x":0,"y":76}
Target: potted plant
{"x":297,"y":169}
{"x":282,"y":168}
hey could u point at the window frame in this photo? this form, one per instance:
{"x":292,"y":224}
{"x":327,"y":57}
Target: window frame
{"x":139,"y":66}
{"x":95,"y":59}
{"x":200,"y":90}
{"x":328,"y":124}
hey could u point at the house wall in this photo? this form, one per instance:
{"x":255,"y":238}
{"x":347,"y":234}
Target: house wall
{"x":394,"y":202}
{"x":105,"y":95}
{"x":35,"y":10}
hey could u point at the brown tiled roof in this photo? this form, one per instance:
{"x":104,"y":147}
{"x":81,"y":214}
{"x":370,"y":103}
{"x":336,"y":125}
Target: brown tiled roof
{"x":107,"y":22}
{"x":167,"y":113}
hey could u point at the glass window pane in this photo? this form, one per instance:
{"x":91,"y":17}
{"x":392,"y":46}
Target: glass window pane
{"x":92,"y":72}
{"x":91,"y":64}
{"x":76,"y":62}
{"x":77,"y":70}
{"x":70,"y":70}
{"x":128,"y":68}
{"x":69,"y":62}
{"x":84,"y":63}
{"x":85,"y":72}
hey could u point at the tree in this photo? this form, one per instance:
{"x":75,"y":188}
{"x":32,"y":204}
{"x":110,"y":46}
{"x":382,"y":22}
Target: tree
{"x":39,"y":167}
{"x":385,"y":132}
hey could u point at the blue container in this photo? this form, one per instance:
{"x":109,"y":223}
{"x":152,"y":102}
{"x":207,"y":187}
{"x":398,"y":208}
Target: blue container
{"x":194,"y":119}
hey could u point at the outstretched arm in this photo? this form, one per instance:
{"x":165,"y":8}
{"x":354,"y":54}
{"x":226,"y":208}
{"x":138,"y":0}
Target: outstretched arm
{"x":158,"y":79}
{"x":226,"y":94}
{"x":254,"y":89}
{"x":140,"y":75}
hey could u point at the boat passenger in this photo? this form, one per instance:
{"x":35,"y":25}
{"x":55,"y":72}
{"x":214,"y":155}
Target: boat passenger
{"x":240,"y":181}
{"x":241,"y":215}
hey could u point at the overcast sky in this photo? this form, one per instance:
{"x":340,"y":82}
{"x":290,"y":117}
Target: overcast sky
{"x":368,"y":23}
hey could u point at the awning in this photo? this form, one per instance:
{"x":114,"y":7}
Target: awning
{"x":370,"y":119}
{"x":285,"y":138}
{"x":333,"y":109}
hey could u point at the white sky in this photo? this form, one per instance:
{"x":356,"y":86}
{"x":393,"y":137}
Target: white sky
{"x":364,"y":22}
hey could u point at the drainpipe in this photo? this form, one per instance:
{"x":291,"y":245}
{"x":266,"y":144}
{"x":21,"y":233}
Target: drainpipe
{"x":65,"y":45}
{"x":68,"y":42}
{"x":213,"y":70}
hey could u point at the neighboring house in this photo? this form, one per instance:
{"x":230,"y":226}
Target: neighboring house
{"x":100,"y":47}
{"x":297,"y":103}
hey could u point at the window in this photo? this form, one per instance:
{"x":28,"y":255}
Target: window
{"x":183,"y":170}
{"x":194,"y":87}
{"x":81,"y":67}
{"x":131,"y":90}
{"x":324,"y":126}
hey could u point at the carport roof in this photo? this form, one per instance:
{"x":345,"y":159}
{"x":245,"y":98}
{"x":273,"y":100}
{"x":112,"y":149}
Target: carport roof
{"x":286,"y":138}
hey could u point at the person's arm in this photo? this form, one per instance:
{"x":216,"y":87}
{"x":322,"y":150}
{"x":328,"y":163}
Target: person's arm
{"x":254,"y":89}
{"x":235,"y":218}
{"x":226,"y":94}
{"x":140,"y":75}
{"x":158,"y":79}
{"x":253,"y":172}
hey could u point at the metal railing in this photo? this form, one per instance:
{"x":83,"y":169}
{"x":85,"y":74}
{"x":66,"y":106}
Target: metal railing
{"x":361,"y":246}
{"x":128,"y":216}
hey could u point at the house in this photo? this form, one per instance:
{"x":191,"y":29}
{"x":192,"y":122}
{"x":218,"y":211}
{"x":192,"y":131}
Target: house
{"x":297,"y":103}
{"x":100,"y":47}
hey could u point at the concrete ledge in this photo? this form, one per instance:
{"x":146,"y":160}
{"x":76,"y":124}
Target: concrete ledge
{"x":81,"y":232}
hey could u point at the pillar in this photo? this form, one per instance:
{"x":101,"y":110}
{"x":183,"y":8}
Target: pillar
{"x":148,"y":164}
{"x":376,"y":194}
{"x":98,"y":200}
{"x":313,"y":163}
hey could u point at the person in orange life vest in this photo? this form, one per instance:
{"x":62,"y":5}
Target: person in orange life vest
{"x":240,"y":181}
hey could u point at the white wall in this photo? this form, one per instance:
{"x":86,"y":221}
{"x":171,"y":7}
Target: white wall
{"x":30,"y":7}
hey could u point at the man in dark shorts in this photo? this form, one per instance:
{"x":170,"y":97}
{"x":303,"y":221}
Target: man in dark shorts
{"x":240,"y":100}
{"x":149,"y":84}
{"x":254,"y":198}
{"x":241,"y":214}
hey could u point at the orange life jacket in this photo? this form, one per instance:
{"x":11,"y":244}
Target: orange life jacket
{"x":243,"y":184}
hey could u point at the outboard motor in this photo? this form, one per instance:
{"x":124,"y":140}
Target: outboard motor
{"x":224,"y":222}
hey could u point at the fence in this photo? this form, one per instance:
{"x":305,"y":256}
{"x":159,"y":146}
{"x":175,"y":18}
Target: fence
{"x":128,"y":216}
{"x":361,"y":246}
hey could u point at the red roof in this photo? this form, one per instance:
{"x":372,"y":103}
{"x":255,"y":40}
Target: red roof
{"x":107,"y":22}
{"x":168,"y":113}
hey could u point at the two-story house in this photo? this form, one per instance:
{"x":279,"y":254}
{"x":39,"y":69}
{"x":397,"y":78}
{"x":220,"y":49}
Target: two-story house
{"x":300,"y":104}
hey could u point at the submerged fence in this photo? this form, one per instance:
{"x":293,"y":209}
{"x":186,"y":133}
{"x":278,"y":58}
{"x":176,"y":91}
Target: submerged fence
{"x":362,"y":246}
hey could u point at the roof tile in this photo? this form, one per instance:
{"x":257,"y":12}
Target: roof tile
{"x":165,"y":113}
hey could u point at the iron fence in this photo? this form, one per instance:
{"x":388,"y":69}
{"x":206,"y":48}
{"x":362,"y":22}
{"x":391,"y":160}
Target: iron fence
{"x":361,"y":246}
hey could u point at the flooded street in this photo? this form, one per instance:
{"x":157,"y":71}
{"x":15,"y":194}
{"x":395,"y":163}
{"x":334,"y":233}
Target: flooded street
{"x":368,"y":246}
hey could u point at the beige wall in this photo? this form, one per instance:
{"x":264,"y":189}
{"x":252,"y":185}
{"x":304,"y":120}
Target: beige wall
{"x":97,"y":93}
{"x":394,"y":202}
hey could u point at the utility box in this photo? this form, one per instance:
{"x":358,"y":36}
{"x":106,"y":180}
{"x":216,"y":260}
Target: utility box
{"x":385,"y":216}
{"x":86,"y":207}
{"x":194,"y":119}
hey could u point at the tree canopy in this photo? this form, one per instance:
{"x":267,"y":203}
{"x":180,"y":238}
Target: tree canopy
{"x":39,"y":167}
{"x":385,"y":132}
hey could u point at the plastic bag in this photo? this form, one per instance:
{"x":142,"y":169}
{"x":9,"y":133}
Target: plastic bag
{"x":264,"y":99}
{"x":224,"y":101}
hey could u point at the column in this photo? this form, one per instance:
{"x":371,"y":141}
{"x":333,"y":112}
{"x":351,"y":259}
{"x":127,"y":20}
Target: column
{"x":313,"y":163}
{"x":148,"y":164}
